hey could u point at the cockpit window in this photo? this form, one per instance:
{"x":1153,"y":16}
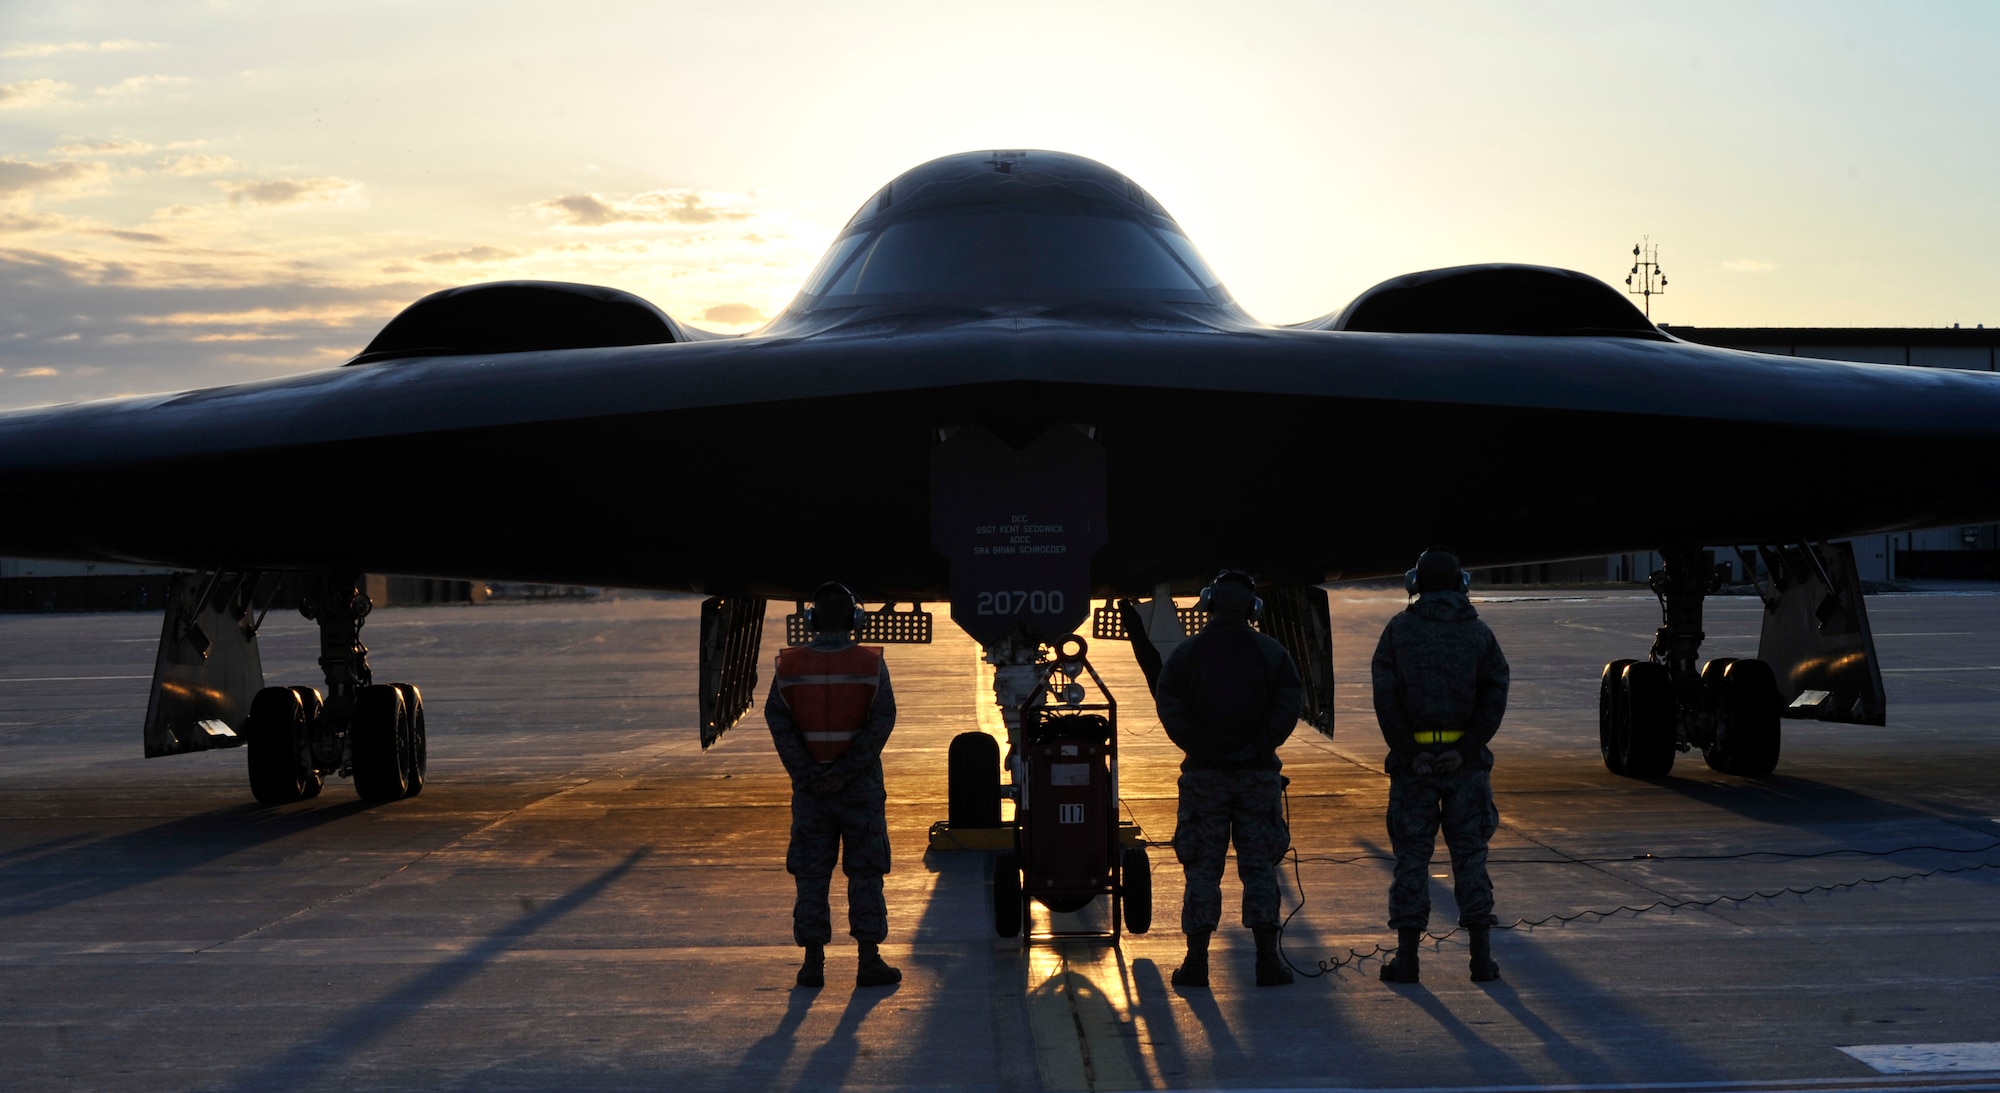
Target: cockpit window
{"x":1012,"y":254}
{"x":830,"y":264}
{"x":1183,"y":248}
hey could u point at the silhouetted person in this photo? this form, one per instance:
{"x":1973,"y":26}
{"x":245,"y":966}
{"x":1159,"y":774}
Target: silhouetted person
{"x":1228,"y":697}
{"x":1440,"y":691}
{"x":830,"y":712}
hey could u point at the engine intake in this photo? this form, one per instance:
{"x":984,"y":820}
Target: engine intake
{"x":517,"y":316}
{"x":1500,"y":298}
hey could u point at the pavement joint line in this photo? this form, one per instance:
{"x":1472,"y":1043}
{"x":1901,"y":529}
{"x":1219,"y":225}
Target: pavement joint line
{"x":462,"y":837}
{"x":1075,"y":1049}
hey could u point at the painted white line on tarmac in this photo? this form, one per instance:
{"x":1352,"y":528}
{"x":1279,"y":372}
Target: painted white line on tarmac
{"x":1929,"y":1058}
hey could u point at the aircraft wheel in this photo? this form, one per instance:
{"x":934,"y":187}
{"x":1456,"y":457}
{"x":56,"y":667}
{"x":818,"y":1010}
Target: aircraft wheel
{"x":310,"y":780}
{"x":1747,"y":733}
{"x":415,"y":752}
{"x":1608,"y":713}
{"x":276,"y":719}
{"x":1010,"y":911}
{"x":1711,"y":685}
{"x":1646,"y":708}
{"x":378,"y":728}
{"x":973,"y":781}
{"x":1135,"y":874}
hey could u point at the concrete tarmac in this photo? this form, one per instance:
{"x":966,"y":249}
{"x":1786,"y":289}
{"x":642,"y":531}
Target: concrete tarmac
{"x":583,"y":898}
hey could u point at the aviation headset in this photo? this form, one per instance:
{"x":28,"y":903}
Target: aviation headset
{"x":1240,"y":577}
{"x":854,"y":621}
{"x":1410,"y":576}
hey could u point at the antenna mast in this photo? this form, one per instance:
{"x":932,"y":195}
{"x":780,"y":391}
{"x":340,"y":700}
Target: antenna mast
{"x":1652,"y":280}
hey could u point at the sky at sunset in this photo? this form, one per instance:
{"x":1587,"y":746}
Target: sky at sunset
{"x":197,"y":193}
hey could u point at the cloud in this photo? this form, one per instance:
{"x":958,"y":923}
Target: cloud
{"x":133,"y":86}
{"x":185,"y":327}
{"x":50,"y":49}
{"x":733,"y":314}
{"x":113,"y":146}
{"x":17,"y":96}
{"x":651,"y":207}
{"x":1750,"y":265}
{"x":313,"y":315}
{"x":132,"y":236}
{"x":196,"y":164}
{"x":15,"y":223}
{"x":20,"y":176}
{"x":283,"y":192}
{"x":470,"y":254}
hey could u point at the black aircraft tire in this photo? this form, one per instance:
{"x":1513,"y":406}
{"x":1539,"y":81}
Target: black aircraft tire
{"x":416,"y":758}
{"x":310,"y":779}
{"x":376,"y":738}
{"x":271,"y":734}
{"x":1646,"y":700}
{"x":1009,"y":909}
{"x":972,"y":784}
{"x":1748,"y":721}
{"x":1608,"y":712}
{"x":1135,"y":886}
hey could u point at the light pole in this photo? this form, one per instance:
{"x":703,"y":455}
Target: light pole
{"x":1652,"y":280}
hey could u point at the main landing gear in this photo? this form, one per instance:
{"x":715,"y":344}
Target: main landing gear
{"x":372,"y":731}
{"x":1648,"y":710}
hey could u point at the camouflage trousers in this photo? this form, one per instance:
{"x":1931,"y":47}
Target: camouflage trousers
{"x":850,"y":826}
{"x":1216,"y":807}
{"x":1463,"y":801}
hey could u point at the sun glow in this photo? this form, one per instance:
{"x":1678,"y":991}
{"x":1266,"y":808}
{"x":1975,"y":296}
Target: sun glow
{"x":184,"y":176}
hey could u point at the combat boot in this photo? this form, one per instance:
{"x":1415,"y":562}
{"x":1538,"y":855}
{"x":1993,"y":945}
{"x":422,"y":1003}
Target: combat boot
{"x":1484,"y":968}
{"x":1271,"y":969}
{"x":1402,"y":968}
{"x":812,"y":971}
{"x":872,"y":971}
{"x":1193,"y":971}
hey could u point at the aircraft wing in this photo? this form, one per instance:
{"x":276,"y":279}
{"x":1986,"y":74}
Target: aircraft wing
{"x":1014,"y":385}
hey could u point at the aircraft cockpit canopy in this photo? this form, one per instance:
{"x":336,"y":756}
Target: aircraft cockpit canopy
{"x":1011,"y":227}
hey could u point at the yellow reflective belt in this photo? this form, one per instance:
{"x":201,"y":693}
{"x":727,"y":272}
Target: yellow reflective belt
{"x":1446,"y":736}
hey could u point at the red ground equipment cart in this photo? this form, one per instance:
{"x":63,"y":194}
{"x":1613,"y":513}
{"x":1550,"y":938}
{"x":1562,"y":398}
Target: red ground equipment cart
{"x":1069,"y":847}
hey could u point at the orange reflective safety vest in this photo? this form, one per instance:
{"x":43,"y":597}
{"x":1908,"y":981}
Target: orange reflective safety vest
{"x":830,"y":694}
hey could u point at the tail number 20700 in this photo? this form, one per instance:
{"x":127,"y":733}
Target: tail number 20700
{"x":1016,"y":602}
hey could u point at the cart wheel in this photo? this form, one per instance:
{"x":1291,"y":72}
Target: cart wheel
{"x":973,"y":781}
{"x":1135,"y":873}
{"x":1009,"y":909}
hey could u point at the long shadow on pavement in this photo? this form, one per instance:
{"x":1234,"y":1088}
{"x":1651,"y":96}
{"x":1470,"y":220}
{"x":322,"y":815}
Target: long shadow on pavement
{"x":831,"y":1061}
{"x":86,"y":870}
{"x":323,"y":1053}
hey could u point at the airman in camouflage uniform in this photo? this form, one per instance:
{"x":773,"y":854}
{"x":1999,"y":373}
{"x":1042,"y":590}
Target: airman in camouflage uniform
{"x":831,"y":745}
{"x":1228,"y":697}
{"x":1440,"y":692}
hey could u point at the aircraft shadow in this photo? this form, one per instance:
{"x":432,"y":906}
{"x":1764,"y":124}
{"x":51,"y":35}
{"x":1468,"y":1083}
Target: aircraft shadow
{"x":343,"y":1040}
{"x":1786,"y":800}
{"x":63,"y":872}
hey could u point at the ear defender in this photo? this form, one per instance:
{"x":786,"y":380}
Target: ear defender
{"x":816,"y":624}
{"x":1410,"y":583}
{"x":1206,"y":602}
